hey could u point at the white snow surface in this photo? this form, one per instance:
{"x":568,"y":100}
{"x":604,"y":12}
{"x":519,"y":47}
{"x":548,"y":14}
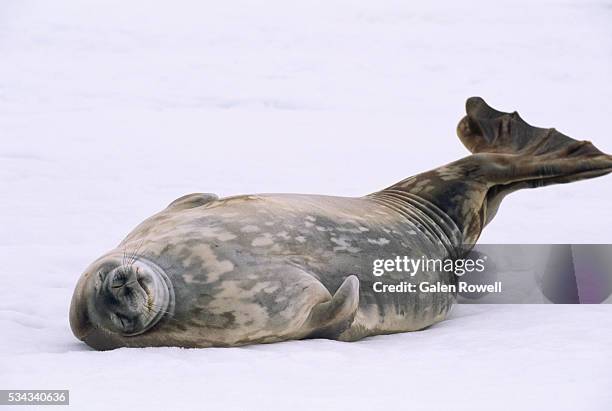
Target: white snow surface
{"x":109,"y":110}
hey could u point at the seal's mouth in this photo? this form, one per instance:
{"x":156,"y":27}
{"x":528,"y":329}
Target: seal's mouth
{"x":116,"y":298}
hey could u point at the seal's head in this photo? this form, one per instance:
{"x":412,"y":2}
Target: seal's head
{"x":117,"y":299}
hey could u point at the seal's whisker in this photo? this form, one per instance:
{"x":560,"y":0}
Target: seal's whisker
{"x":153,"y":305}
{"x":169,"y":316}
{"x":139,"y":250}
{"x":133,"y":256}
{"x":158,"y":310}
{"x":124,"y":258}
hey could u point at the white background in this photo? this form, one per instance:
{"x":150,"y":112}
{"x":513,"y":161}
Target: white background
{"x":110,"y":110}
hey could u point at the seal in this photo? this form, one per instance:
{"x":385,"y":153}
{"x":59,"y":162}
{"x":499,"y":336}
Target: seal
{"x":209,"y":271}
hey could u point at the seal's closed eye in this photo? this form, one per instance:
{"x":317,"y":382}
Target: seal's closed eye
{"x":119,"y":279}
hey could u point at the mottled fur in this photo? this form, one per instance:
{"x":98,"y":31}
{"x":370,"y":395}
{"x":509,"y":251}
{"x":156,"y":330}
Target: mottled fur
{"x":266,"y":268}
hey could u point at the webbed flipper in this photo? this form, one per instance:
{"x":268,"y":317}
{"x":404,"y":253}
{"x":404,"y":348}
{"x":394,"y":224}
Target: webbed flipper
{"x":528,"y":156}
{"x":518,"y":155}
{"x":508,"y":155}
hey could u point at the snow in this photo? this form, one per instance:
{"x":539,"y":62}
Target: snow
{"x":110,"y":110}
{"x":499,"y":357}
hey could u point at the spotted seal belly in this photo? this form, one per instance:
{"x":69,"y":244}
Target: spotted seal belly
{"x":263,"y":268}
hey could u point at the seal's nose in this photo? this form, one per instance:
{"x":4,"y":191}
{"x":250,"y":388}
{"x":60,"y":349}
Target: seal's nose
{"x":128,"y":293}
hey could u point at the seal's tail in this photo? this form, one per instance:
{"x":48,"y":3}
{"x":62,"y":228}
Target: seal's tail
{"x":537,"y":156}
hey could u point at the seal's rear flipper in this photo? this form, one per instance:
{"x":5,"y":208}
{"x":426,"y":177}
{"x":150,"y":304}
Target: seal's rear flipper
{"x":510,"y":154}
{"x":331,"y":318}
{"x":486,"y":130}
{"x":527,"y":156}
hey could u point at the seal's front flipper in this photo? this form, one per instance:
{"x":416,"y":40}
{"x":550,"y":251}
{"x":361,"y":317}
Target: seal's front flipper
{"x":192,"y":201}
{"x":331,"y":318}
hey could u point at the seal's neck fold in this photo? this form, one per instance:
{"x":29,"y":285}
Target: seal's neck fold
{"x":435,"y":223}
